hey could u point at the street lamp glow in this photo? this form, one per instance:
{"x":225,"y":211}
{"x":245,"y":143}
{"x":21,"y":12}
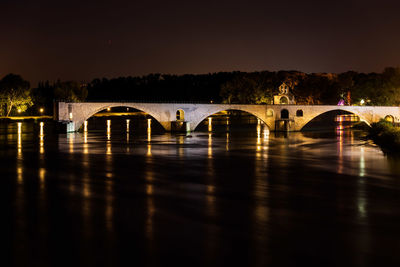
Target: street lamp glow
{"x":362,"y":102}
{"x":41,"y":110}
{"x":19,"y":110}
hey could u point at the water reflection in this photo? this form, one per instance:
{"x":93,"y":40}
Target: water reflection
{"x":127,"y":125}
{"x":109,"y":210}
{"x":85,"y":126}
{"x":209,"y":151}
{"x":227,"y":141}
{"x":41,"y":139}
{"x":108,"y":129}
{"x":210,"y":124}
{"x":71,"y":137}
{"x":19,"y":140}
{"x":339,"y":133}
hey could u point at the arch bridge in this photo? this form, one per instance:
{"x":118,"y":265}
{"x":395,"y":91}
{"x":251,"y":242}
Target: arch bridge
{"x":294,"y":117}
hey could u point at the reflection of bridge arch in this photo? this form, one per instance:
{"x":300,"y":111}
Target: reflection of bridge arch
{"x":312,"y":117}
{"x":205,"y":116}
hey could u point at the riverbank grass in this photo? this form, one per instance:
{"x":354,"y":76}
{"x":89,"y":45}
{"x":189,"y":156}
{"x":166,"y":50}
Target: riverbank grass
{"x":385,"y":135}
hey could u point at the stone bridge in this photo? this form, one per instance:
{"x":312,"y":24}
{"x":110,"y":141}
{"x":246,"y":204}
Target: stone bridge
{"x":295,"y":117}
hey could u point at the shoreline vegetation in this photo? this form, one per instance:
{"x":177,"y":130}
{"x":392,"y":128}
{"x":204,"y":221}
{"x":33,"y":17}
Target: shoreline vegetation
{"x":18,"y":97}
{"x":386,"y":136}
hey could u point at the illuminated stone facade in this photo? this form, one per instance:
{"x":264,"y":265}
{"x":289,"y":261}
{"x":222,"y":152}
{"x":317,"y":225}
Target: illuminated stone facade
{"x":165,"y":114}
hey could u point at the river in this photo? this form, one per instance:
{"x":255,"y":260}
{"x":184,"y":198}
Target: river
{"x":236,"y":198}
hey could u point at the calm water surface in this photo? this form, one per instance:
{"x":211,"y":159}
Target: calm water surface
{"x":246,"y":198}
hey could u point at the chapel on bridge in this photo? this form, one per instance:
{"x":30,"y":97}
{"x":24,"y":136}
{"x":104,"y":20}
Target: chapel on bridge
{"x":285,"y":96}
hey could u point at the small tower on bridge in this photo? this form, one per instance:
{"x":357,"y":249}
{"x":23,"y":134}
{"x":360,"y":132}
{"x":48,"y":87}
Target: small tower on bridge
{"x":284,"y":97}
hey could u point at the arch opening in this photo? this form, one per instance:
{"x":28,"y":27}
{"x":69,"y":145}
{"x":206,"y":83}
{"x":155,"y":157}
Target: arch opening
{"x":122,"y":119}
{"x":283,"y":100}
{"x":335,"y":119}
{"x":299,"y":113}
{"x":230,"y":120}
{"x":389,"y":118}
{"x":180,"y":115}
{"x":284,"y":114}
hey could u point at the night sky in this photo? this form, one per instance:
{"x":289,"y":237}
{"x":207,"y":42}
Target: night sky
{"x":46,"y":39}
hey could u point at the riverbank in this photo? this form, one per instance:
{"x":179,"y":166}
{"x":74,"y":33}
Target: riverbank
{"x":386,"y":136}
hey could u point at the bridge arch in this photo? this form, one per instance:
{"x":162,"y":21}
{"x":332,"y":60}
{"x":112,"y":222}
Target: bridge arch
{"x":308,"y":119}
{"x":98,"y":107}
{"x":206,"y":115}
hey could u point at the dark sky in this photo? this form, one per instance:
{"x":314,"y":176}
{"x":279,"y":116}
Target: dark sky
{"x":79,"y":40}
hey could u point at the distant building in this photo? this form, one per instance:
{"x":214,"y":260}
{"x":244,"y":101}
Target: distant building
{"x":285,"y":96}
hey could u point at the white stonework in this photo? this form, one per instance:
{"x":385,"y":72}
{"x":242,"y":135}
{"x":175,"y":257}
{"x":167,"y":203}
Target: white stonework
{"x":195,"y":113}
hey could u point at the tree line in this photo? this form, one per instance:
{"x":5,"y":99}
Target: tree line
{"x":17,"y":96}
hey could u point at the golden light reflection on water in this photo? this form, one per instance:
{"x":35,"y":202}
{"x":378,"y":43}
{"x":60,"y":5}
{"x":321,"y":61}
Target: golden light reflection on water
{"x":109,"y":209}
{"x":211,"y":199}
{"x":210,"y":124}
{"x":209,"y":151}
{"x":85,"y":126}
{"x":41,"y":139}
{"x":149,"y":190}
{"x":42,"y":176}
{"x":181,"y":141}
{"x":19,"y":140}
{"x":71,"y":137}
{"x":339,"y":133}
{"x":127,"y":125}
{"x":227,"y":142}
{"x":86,"y":204}
{"x":108,"y":147}
{"x":258,"y":136}
{"x":362,"y":162}
{"x":20,"y":174}
{"x":108,"y":129}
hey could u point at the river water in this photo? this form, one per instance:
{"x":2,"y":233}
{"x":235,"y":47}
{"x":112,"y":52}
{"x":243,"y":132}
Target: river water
{"x":238,"y":198}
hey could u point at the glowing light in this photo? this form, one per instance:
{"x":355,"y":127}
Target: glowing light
{"x":127,"y":126}
{"x":19,"y":110}
{"x":209,"y":124}
{"x":108,"y":109}
{"x":41,"y":110}
{"x":70,"y":115}
{"x":362,"y":102}
{"x":85,"y":123}
{"x":227,"y":120}
{"x":108,"y":129}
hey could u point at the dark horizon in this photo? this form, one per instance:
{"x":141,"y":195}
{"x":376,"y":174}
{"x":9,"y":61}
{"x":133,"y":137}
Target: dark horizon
{"x":70,"y":40}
